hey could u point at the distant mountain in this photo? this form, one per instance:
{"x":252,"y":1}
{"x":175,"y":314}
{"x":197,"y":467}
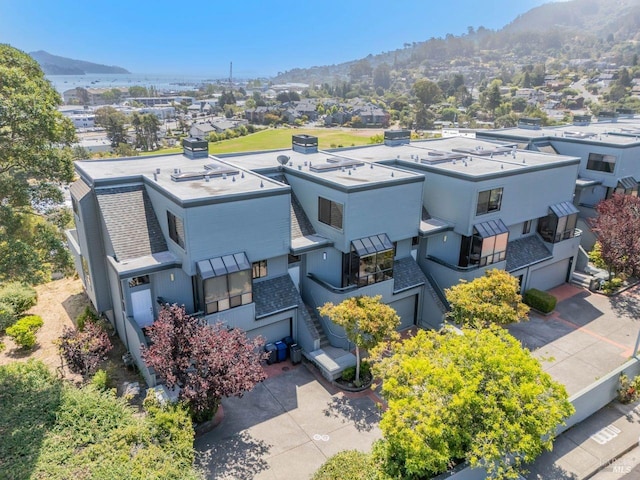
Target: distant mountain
{"x":553,"y":32}
{"x":55,"y":65}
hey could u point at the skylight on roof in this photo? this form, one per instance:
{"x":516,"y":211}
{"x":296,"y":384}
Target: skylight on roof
{"x":335,"y":163}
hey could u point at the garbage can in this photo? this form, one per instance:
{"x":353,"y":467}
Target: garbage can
{"x":295,"y":352}
{"x":271,"y":349}
{"x":282,"y":351}
{"x":594,"y":284}
{"x":288,"y":341}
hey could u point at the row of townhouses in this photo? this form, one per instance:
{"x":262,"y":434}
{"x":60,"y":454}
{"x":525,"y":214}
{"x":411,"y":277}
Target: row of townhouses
{"x":260,"y":240}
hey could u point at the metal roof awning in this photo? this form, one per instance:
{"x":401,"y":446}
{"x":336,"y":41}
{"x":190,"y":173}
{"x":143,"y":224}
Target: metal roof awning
{"x":491,"y":228}
{"x":587,"y":182}
{"x":373,"y":244}
{"x":628,"y":183}
{"x":218,"y":266}
{"x":563,"y":209}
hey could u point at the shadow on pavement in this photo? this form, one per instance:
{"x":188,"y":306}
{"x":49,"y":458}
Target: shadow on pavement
{"x":238,"y":457}
{"x":626,"y":304}
{"x":362,"y":411}
{"x":551,"y":472}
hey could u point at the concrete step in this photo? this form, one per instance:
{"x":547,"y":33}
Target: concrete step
{"x":581,"y":279}
{"x":331,"y":361}
{"x":324,"y":341}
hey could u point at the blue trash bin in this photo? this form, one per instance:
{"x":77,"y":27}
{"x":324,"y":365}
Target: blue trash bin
{"x":282,"y":351}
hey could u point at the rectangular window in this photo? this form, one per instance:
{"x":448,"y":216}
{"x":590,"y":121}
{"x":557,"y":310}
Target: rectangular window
{"x":330,"y":213}
{"x":601,"y":163}
{"x":368,"y":269}
{"x":74,"y":206}
{"x":136,"y":281}
{"x":85,"y":272}
{"x":227,"y":291}
{"x":554,"y":229}
{"x":489,"y":201}
{"x":480,"y":251}
{"x":259,"y":269}
{"x":526,"y":228}
{"x":176,"y":229}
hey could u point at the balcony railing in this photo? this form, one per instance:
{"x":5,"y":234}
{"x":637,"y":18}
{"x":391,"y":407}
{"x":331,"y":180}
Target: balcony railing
{"x":331,"y":287}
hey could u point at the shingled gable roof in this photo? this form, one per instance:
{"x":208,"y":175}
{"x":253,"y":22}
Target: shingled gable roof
{"x":79,"y":189}
{"x":131,"y":222}
{"x":300,"y":224}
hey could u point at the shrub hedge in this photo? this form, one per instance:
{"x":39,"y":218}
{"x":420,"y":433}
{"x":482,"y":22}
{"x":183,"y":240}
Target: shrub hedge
{"x":542,"y":301}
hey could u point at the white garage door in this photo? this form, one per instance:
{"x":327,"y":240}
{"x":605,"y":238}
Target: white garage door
{"x":406,"y":309}
{"x":273,"y":332}
{"x":549,"y":276}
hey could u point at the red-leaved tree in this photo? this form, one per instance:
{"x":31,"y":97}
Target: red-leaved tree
{"x":207,"y":362}
{"x":617,"y":227}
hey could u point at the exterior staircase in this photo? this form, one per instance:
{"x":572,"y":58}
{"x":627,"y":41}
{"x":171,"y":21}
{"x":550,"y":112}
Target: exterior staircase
{"x":324,"y":341}
{"x":581,"y":279}
{"x":331,"y":361}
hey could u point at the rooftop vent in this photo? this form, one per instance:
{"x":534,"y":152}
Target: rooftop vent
{"x":530,"y":123}
{"x":581,"y":120}
{"x":397,"y":137}
{"x":195,"y":148}
{"x":437,"y":156}
{"x":483,"y":152}
{"x":304,"y":143}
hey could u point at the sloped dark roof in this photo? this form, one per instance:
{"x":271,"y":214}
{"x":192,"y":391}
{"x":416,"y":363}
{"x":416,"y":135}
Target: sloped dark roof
{"x":407,"y":274}
{"x":526,"y":251}
{"x":79,"y":189}
{"x":300,"y":224}
{"x":131,"y":222}
{"x":274,"y":295}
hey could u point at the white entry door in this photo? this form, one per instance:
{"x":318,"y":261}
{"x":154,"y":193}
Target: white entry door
{"x":142,"y":307}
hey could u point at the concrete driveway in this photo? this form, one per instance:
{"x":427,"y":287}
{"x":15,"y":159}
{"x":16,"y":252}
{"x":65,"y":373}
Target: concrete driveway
{"x":287,"y":427}
{"x":586,"y":337}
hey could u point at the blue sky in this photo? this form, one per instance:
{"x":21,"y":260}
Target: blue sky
{"x":261,"y":38}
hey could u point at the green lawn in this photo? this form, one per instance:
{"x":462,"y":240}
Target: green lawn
{"x":272,"y":139}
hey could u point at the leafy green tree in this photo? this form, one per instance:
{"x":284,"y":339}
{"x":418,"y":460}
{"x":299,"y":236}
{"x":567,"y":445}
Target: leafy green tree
{"x":478,"y":397}
{"x":366,"y":321}
{"x":35,"y":159}
{"x":427,"y":92}
{"x":138,"y":91}
{"x":114,"y":122}
{"x":492,"y":97}
{"x":492,"y":298}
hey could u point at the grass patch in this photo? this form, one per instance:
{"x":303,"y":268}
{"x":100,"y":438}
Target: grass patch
{"x":51,"y":429}
{"x":276,"y":138}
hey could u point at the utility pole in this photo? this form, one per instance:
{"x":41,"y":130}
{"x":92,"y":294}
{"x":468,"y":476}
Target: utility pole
{"x":231,"y":75}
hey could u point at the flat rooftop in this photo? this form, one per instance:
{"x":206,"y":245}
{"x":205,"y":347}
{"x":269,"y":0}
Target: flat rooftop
{"x":337,"y":168}
{"x":462,"y":156}
{"x":208,"y":180}
{"x":625,"y":131}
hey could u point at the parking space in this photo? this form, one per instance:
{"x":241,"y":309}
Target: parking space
{"x":586,"y":337}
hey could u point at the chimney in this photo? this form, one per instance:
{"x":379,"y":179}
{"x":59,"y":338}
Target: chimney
{"x":195,"y":148}
{"x":304,"y":143}
{"x":396,"y":137}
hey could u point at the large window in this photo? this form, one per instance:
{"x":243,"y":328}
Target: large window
{"x":330,"y":212}
{"x":225,"y":282}
{"x":486,"y":246}
{"x":489,"y":201}
{"x":176,"y":229}
{"x":369,"y":261}
{"x":601,"y":163}
{"x":559,"y":224}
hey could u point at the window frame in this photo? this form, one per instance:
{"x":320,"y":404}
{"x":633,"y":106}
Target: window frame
{"x":484,"y":207}
{"x":367,"y":269}
{"x":596,"y":164}
{"x":331,"y":213}
{"x":176,"y":229}
{"x":259,"y":269}
{"x":226,"y":298}
{"x":526,"y":228}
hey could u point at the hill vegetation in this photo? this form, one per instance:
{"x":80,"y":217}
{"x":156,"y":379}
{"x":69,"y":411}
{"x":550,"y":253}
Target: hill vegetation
{"x":56,"y":65}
